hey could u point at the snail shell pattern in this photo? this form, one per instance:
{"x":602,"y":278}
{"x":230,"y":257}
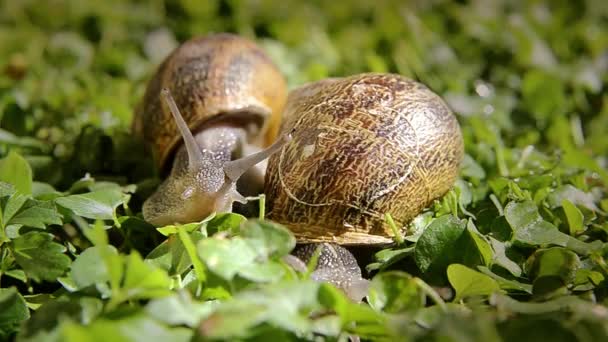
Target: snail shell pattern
{"x":362,"y":146}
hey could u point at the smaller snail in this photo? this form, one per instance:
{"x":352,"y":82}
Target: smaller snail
{"x":230,"y":95}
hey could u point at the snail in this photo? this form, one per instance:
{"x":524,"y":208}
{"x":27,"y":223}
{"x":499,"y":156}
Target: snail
{"x":362,"y":146}
{"x":221,"y":96}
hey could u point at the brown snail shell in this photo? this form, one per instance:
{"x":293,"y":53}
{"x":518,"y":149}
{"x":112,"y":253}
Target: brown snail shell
{"x":210,"y":78}
{"x":362,"y":146}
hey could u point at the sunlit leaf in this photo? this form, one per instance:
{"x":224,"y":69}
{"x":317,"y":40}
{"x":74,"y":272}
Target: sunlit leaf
{"x":95,"y":205}
{"x":16,"y":171}
{"x":468,"y":282}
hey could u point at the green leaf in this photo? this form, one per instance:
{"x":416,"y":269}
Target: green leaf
{"x":90,"y":268}
{"x":17,"y":274}
{"x":44,"y":190}
{"x":387,"y":257}
{"x":483,"y":247}
{"x":418,"y":225}
{"x":46,"y":322}
{"x":287,"y":305}
{"x":82,"y":184}
{"x":96,"y":233}
{"x":394,"y":292}
{"x":140,"y":234}
{"x":190,"y":249}
{"x":174,"y":229}
{"x":468,"y":282}
{"x":171,"y":255}
{"x":39,"y":256}
{"x":436,"y":245}
{"x":531,"y":229}
{"x":144,"y":281}
{"x":225,"y":222}
{"x":544,"y":95}
{"x":248,"y":257}
{"x":179,"y":309}
{"x":263,"y":272}
{"x":586,"y":279}
{"x":6,"y":189}
{"x":470,"y":168}
{"x":501,"y":258}
{"x":13,"y":205}
{"x":269,"y":239}
{"x":133,"y":328}
{"x":226,"y":257}
{"x":575,"y":158}
{"x":95,"y":205}
{"x":565,"y":303}
{"x":604,"y":204}
{"x":574,"y":216}
{"x":14,"y":311}
{"x":189,"y":227}
{"x":35,"y":301}
{"x":16,"y":171}
{"x":506,"y":284}
{"x":349,"y":312}
{"x":573,"y":195}
{"x":37,"y":214}
{"x":555,"y":261}
{"x":115,"y":266}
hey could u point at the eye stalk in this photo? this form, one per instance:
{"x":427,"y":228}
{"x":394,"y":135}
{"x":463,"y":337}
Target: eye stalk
{"x":195,"y":155}
{"x":235,"y":168}
{"x":210,"y":184}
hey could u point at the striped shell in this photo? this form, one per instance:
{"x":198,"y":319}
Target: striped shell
{"x":208,"y":76}
{"x":362,"y":146}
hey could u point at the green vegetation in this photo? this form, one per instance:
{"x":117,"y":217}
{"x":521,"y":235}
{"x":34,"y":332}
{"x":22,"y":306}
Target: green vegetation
{"x":516,"y":251}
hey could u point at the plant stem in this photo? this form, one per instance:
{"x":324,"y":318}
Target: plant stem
{"x":396,"y":232}
{"x":262,"y":206}
{"x":429,"y":291}
{"x":199,"y":268}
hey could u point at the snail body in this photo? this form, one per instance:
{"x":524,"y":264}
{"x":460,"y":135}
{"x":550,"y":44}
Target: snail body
{"x":362,"y":146}
{"x":220,"y":105}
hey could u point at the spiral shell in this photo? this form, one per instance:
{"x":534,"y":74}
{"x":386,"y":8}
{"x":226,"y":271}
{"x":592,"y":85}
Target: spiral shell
{"x":362,"y":146}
